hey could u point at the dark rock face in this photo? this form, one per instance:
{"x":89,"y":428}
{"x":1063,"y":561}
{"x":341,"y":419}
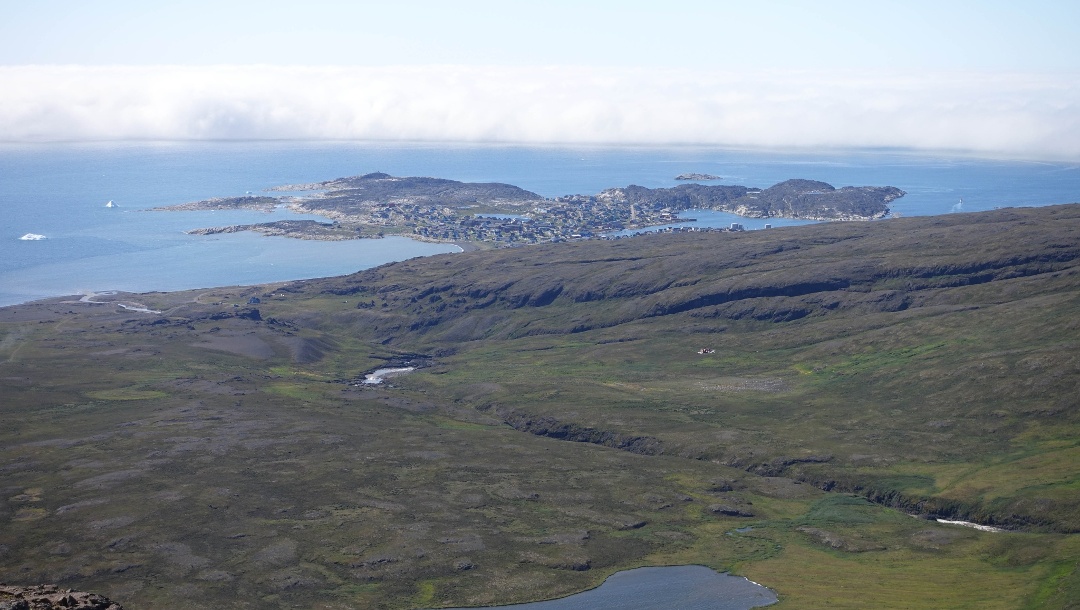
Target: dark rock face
{"x":51,"y":597}
{"x":777,"y":466}
{"x":553,"y":428}
{"x":729,"y":511}
{"x":247,"y":313}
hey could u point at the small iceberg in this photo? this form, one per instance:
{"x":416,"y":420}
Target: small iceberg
{"x":32,"y":237}
{"x":111,"y":204}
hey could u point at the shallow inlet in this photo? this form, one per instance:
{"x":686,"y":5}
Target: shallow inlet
{"x":664,"y":588}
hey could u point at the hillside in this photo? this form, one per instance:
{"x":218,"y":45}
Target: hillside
{"x":855,"y":312}
{"x":574,"y":409}
{"x":355,"y":195}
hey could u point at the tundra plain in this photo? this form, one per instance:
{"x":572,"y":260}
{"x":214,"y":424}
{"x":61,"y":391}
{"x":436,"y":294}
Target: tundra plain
{"x":796,"y":405}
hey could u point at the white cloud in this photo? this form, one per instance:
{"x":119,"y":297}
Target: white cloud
{"x":1012,"y":114}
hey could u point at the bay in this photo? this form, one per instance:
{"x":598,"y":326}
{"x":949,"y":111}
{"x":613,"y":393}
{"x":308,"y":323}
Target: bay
{"x":60,"y":191}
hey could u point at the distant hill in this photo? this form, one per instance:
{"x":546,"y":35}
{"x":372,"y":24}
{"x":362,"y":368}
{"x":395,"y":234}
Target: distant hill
{"x":355,"y":194}
{"x":808,"y":199}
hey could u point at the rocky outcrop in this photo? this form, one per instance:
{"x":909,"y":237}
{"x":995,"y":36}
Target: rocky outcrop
{"x":51,"y":597}
{"x":729,"y":511}
{"x":553,"y":428}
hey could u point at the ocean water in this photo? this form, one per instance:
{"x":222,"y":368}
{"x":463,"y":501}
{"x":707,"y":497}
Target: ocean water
{"x":59,"y":191}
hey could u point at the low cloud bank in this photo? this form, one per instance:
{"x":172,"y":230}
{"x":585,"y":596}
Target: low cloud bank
{"x":1013,"y":114}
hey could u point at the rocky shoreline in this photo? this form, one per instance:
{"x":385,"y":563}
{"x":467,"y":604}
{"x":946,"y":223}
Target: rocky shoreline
{"x":299,"y":229}
{"x":247,"y":202}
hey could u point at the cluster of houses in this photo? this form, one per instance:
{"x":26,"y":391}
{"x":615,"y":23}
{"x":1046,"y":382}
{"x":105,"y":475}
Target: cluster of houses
{"x":564,"y":218}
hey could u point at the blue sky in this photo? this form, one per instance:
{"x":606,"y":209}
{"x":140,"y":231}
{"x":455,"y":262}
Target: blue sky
{"x":985,"y":35}
{"x":989,"y":77}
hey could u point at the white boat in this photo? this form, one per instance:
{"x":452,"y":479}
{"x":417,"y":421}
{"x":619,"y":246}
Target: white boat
{"x":32,"y":237}
{"x":111,"y":204}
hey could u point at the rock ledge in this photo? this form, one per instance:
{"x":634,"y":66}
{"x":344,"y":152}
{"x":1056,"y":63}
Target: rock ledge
{"x":52,"y":597}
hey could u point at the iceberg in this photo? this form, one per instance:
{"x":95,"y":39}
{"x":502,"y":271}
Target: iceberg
{"x":32,"y":237}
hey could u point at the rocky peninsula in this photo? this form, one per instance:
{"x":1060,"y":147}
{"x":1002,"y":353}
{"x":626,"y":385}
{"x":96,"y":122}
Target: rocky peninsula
{"x":437,"y":209}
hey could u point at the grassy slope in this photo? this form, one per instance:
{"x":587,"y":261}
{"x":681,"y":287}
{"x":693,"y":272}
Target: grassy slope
{"x":923,"y":363}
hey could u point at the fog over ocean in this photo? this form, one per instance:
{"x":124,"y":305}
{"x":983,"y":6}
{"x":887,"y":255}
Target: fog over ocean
{"x":60,"y":192}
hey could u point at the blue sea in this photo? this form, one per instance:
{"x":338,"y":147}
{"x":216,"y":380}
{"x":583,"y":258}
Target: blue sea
{"x":60,"y":192}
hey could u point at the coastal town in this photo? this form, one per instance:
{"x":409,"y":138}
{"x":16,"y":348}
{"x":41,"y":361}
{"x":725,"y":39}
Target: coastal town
{"x":560,"y":219}
{"x":495,"y":214}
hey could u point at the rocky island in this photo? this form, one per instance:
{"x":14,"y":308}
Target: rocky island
{"x":696,"y":176}
{"x":437,"y":209}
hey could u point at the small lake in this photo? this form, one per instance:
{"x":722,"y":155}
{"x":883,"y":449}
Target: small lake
{"x":663,"y":588}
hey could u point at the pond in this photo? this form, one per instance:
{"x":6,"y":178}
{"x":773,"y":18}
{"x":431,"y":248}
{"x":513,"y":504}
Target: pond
{"x":663,"y":588}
